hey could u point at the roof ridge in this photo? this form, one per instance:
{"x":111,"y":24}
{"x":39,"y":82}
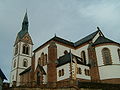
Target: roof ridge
{"x":62,"y":39}
{"x":86,"y":38}
{"x":74,"y":44}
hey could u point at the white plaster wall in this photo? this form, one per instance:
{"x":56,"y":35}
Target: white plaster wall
{"x":82,"y":75}
{"x":61,"y":49}
{"x":95,"y":38}
{"x":13,"y":73}
{"x":14,"y":50}
{"x":113,"y":51}
{"x":79,"y":50}
{"x":18,"y":76}
{"x":21,"y":58}
{"x":38,"y":54}
{"x":66,"y":68}
{"x":60,"y":52}
{"x":109,"y":72}
{"x":19,"y":62}
{"x":16,"y":58}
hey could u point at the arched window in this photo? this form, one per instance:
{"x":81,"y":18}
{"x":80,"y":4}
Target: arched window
{"x":25,"y":63}
{"x":16,"y":49}
{"x":106,"y":56}
{"x":38,"y":77}
{"x":14,"y":64}
{"x":119,"y":54}
{"x":62,"y":72}
{"x":25,"y":49}
{"x":83,"y":56}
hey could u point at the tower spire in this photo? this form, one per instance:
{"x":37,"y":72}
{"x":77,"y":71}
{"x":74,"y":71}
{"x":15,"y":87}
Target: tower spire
{"x":25,"y":22}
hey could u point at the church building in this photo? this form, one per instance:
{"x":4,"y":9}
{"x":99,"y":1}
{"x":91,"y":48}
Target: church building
{"x":94,"y":58}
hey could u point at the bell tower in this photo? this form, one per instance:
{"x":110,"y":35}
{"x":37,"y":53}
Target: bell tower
{"x":22,"y":52}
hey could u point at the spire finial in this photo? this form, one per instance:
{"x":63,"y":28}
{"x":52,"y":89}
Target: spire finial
{"x":98,"y":28}
{"x":25,"y":22}
{"x":55,"y":35}
{"x":25,"y":17}
{"x":26,"y":10}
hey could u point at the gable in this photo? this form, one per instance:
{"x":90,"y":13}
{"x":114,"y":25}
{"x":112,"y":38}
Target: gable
{"x":26,"y":38}
{"x":74,"y":45}
{"x":57,"y":40}
{"x":99,"y":33}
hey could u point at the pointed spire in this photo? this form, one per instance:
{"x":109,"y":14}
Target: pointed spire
{"x":25,"y":22}
{"x":25,"y":17}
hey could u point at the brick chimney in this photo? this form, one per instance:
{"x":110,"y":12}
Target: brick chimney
{"x":51,"y":66}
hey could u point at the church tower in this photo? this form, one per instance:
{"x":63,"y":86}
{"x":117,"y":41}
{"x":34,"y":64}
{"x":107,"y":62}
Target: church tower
{"x":22,"y":53}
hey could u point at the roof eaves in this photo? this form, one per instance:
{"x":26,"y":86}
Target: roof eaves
{"x":2,"y":75}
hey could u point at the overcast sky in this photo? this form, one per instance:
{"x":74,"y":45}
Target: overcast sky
{"x":69,"y":19}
